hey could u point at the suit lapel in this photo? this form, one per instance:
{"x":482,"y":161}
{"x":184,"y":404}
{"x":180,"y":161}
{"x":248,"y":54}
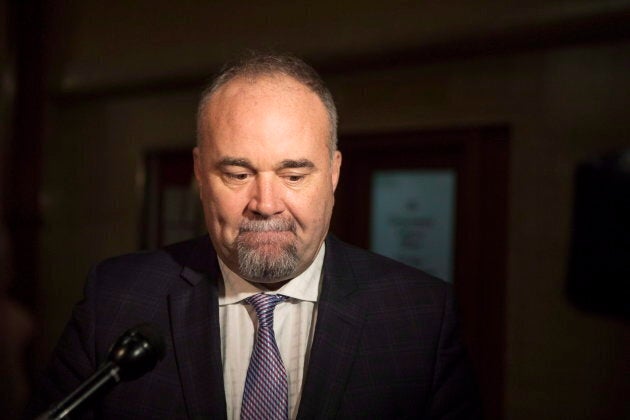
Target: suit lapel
{"x":194,"y":315}
{"x":337,"y":332}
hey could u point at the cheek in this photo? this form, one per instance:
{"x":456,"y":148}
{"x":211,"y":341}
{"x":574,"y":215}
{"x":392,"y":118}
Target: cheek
{"x":222,"y":208}
{"x":312,"y":210}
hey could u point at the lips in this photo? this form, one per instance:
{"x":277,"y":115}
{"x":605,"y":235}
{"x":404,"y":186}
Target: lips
{"x":269,"y":237}
{"x":268,"y":225}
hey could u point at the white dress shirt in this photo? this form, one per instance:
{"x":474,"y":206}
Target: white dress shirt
{"x":294,"y":323}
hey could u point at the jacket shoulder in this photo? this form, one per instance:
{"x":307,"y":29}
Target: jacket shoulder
{"x":371,"y":267}
{"x":149,"y":272}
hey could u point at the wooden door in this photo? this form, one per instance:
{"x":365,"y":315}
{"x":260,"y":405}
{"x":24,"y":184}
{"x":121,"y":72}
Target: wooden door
{"x":479,"y":158}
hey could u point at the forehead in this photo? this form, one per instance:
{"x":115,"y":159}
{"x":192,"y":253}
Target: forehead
{"x":269,"y":85}
{"x":265,"y":113}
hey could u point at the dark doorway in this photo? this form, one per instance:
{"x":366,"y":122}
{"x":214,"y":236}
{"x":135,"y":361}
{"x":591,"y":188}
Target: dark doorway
{"x":478,"y":158}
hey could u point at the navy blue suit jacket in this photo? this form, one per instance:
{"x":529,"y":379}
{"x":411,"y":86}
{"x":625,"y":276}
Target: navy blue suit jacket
{"x":385,"y":346}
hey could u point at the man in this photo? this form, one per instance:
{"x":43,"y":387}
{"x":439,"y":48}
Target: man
{"x":349,"y":334}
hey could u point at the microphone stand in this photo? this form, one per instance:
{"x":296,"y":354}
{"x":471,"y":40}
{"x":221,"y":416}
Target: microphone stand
{"x":105,"y":377}
{"x":135,"y":353}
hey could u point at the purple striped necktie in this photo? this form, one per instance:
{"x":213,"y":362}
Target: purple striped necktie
{"x":266,"y":394}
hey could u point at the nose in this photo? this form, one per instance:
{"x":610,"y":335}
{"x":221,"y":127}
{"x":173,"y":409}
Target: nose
{"x":266,"y":199}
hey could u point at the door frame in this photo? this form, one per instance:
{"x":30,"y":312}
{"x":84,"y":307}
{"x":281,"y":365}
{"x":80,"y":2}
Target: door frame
{"x":480,"y":158}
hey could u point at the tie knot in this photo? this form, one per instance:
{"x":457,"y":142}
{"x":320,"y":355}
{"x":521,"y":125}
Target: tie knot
{"x":264,"y":305}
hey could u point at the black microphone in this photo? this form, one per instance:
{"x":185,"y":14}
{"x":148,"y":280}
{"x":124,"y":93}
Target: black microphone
{"x":135,"y":353}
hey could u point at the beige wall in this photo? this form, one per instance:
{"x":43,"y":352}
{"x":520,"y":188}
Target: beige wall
{"x":562,"y":105}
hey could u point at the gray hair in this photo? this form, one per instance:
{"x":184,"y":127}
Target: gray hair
{"x":255,"y":64}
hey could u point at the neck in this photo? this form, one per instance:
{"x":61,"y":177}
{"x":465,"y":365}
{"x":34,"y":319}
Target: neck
{"x":271,"y":286}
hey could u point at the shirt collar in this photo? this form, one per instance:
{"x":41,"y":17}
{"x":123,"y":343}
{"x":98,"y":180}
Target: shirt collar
{"x":303,"y":287}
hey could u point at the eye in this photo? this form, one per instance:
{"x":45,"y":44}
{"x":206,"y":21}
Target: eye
{"x":236,"y":177}
{"x":294,"y":179}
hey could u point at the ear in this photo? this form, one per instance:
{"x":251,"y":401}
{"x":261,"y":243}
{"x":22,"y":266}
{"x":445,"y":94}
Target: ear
{"x":336,"y":169}
{"x":197,"y":168}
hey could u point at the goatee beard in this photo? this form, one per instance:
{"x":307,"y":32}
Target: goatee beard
{"x":265,"y":259}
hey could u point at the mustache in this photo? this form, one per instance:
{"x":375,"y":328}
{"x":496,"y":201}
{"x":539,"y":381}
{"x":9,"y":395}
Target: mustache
{"x":268,"y":225}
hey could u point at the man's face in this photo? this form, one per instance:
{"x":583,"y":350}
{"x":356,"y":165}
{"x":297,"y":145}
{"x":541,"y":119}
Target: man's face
{"x":266,"y":176}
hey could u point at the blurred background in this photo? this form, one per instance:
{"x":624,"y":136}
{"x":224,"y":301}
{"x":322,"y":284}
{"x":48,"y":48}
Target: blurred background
{"x":504,"y":99}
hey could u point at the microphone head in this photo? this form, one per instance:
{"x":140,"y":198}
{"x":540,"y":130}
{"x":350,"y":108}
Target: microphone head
{"x":137,"y":351}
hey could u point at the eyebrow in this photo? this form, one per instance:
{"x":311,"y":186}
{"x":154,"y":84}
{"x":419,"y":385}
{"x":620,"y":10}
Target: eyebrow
{"x":295,"y":164}
{"x":230,"y":161}
{"x":285,"y":164}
